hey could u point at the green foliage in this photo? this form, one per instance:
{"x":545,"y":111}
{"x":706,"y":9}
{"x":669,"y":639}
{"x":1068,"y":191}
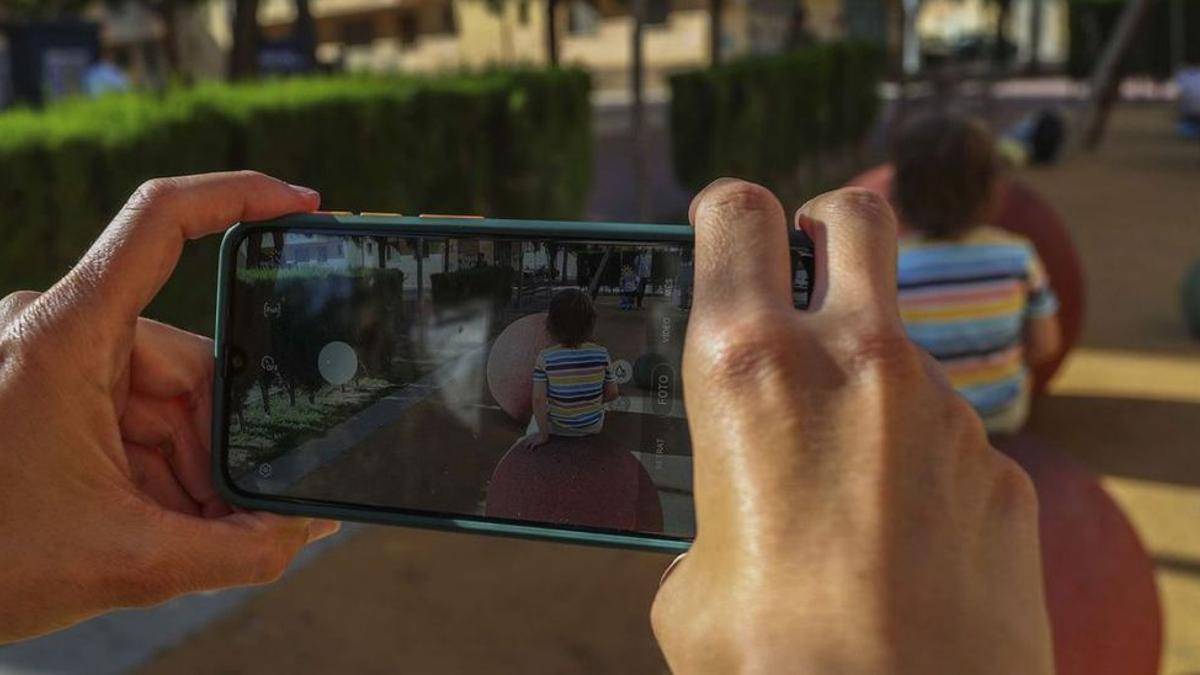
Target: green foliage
{"x":1092,"y":22}
{"x":503,"y":143}
{"x":758,"y":117}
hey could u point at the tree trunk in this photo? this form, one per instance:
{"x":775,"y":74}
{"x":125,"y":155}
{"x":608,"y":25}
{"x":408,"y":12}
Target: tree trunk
{"x":243,"y":58}
{"x":306,"y":32}
{"x":166,"y":14}
{"x":636,"y":78}
{"x":714,"y":31}
{"x":381,"y":242}
{"x":1037,"y":19}
{"x":551,"y":33}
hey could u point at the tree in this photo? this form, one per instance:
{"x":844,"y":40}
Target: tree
{"x":305,"y":31}
{"x":243,"y":58}
{"x":551,"y":32}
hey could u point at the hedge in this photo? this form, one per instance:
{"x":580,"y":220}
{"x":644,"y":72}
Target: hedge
{"x":759,"y":117}
{"x":506,"y":143}
{"x":493,"y":283}
{"x":1092,"y":22}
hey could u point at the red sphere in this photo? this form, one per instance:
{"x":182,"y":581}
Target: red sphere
{"x":1023,"y":212}
{"x":1100,"y":588}
{"x":510,"y":364}
{"x":589,"y":481}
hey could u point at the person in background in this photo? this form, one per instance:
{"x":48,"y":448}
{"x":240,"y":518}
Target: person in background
{"x":573,"y":378}
{"x":1188,"y":81}
{"x":643,"y":266}
{"x":629,"y":286}
{"x":974,"y":296}
{"x":104,"y":77}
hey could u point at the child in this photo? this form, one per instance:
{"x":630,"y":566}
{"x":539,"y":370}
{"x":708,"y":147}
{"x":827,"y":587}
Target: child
{"x":974,"y":296}
{"x":629,"y":287}
{"x":573,"y":378}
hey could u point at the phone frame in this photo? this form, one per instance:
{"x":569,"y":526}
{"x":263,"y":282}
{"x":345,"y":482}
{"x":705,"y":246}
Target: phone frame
{"x":439,"y":226}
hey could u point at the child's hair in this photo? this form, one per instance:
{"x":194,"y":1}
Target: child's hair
{"x":572,"y":318}
{"x":946,"y":169}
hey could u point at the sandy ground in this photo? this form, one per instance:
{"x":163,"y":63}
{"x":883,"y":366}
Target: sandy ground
{"x":1127,"y":404}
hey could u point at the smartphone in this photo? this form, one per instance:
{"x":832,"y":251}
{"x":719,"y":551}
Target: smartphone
{"x":509,"y":377}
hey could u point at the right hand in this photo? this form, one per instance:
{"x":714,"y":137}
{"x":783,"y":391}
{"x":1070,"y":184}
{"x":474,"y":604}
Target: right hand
{"x":852,"y":517}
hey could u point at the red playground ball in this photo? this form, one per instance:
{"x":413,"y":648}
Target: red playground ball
{"x":510,"y":365}
{"x":583,"y":481}
{"x":1025,"y":213}
{"x":1100,"y":588}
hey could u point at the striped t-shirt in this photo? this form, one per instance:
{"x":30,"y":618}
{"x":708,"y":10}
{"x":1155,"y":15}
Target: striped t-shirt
{"x":966,"y":300}
{"x":575,"y":379}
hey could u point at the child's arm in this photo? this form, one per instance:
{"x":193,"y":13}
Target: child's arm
{"x":610,"y":381}
{"x":1043,"y":335}
{"x":541,"y":413}
{"x":1043,"y":338}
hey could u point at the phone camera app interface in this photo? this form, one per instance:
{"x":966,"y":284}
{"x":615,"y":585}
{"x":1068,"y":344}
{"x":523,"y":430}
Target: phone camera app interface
{"x":536,"y":381}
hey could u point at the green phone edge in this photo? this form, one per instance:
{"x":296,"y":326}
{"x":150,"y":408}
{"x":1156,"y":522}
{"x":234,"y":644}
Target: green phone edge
{"x":431,"y":225}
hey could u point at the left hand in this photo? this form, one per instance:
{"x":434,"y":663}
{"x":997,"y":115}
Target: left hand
{"x":106,"y":499}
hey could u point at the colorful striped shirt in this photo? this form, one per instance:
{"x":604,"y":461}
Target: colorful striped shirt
{"x":575,"y":379}
{"x":965,"y":301}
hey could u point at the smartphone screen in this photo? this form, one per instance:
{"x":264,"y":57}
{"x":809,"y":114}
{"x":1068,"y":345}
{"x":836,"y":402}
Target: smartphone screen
{"x":529,"y":381}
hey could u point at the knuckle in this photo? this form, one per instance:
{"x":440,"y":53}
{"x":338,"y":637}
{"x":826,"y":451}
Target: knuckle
{"x":748,"y":352}
{"x":270,"y":563}
{"x":960,"y":415}
{"x":739,"y":197}
{"x":884,"y":353}
{"x":16,"y":301}
{"x":1014,"y":491}
{"x":855,"y":201}
{"x":154,"y":193}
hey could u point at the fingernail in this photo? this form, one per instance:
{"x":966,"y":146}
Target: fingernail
{"x":320,"y":529}
{"x":804,"y":223}
{"x":306,"y":192}
{"x":671,"y":568}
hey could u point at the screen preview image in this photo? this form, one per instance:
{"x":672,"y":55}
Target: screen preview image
{"x":529,"y":381}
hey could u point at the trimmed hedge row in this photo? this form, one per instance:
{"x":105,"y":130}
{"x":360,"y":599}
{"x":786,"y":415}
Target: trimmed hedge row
{"x":1092,"y":22}
{"x":489,"y":282}
{"x":758,"y":117}
{"x":505,"y":143}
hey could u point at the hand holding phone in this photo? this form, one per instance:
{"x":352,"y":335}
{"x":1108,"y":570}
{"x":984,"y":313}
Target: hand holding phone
{"x":853,"y":517}
{"x":512,"y":377}
{"x":105,"y":488}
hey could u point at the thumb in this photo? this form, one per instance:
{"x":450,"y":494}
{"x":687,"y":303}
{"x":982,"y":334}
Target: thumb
{"x":241,"y":549}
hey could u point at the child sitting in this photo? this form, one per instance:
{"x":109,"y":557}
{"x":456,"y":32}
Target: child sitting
{"x":974,"y":296}
{"x":573,"y":378}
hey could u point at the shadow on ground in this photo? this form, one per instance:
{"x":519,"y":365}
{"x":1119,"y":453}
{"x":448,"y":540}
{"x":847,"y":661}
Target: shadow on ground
{"x":1129,"y":438}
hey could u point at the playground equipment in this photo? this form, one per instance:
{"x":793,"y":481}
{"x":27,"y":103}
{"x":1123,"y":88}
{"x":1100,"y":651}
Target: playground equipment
{"x":1190,"y":296}
{"x":1023,"y":212}
{"x":510,"y":364}
{"x":587,"y":480}
{"x":1100,"y":589}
